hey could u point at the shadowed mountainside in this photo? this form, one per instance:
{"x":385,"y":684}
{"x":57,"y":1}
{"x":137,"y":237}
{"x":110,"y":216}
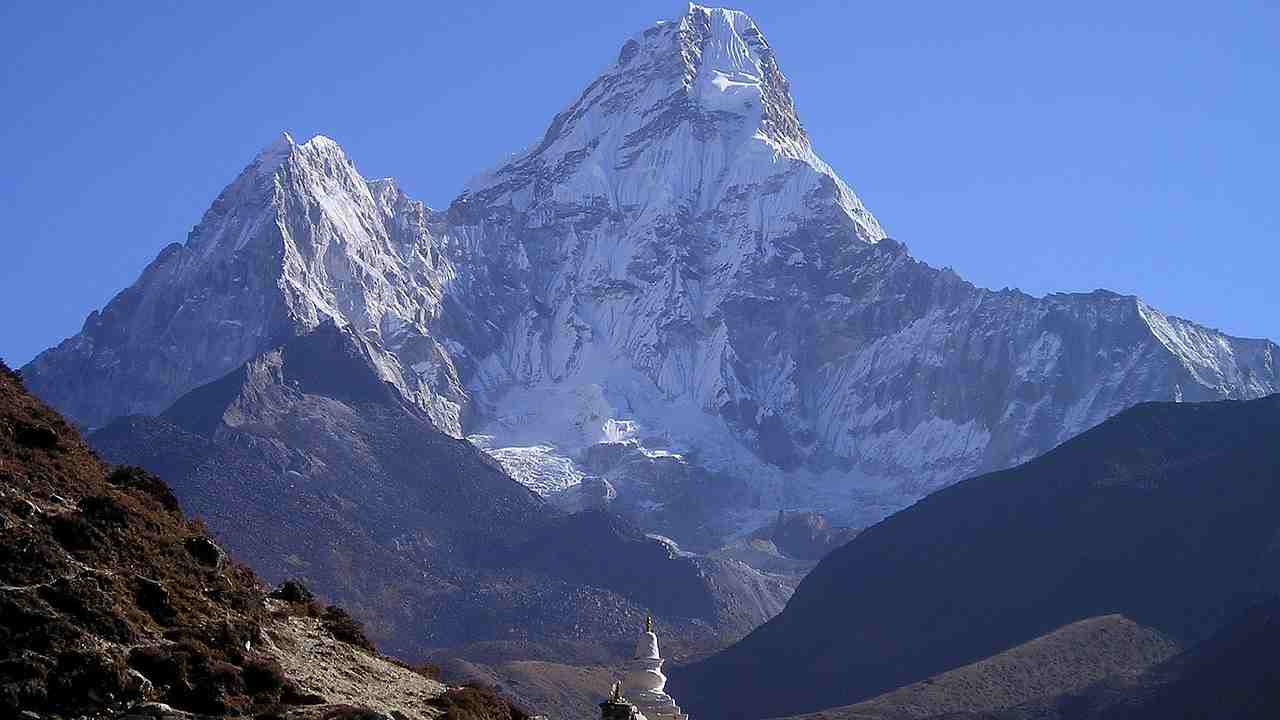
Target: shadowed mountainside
{"x":1165,"y":514}
{"x":1071,"y":658}
{"x":308,"y":465}
{"x":1234,"y":674}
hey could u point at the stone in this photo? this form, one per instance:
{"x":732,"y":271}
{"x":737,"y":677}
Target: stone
{"x":152,"y":597}
{"x":139,"y":686}
{"x":35,"y":436}
{"x":205,"y":551}
{"x":292,"y":591}
{"x":613,"y":710}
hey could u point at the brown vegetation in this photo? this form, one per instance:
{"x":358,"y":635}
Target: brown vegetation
{"x":1068,"y":659}
{"x":477,"y":703}
{"x":110,"y":597}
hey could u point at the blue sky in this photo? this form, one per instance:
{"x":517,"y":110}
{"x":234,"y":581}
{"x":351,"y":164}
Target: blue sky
{"x":1045,"y":146}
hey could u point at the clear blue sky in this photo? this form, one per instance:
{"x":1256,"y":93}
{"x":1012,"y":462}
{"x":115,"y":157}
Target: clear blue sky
{"x":1046,"y":146}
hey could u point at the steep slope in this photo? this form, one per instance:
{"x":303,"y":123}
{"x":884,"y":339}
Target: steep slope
{"x":310,"y":465}
{"x":671,"y":263}
{"x":1165,"y":514}
{"x":298,"y":238}
{"x":111,"y":601}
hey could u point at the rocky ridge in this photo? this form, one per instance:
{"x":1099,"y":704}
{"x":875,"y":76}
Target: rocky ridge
{"x":114,"y":605}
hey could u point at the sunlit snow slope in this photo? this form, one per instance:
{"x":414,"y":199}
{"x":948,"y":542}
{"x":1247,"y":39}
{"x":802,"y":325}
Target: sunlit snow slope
{"x":671,"y":271}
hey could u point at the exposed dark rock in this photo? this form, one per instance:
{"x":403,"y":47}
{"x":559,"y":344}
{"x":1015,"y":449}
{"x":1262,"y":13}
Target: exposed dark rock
{"x":154,"y":599}
{"x":344,"y":627}
{"x":292,"y":591}
{"x":136,"y":477}
{"x":35,"y":435}
{"x":206,"y":551}
{"x":104,"y":511}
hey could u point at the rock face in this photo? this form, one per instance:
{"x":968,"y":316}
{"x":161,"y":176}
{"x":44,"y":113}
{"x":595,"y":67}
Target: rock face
{"x":671,"y":263}
{"x":804,"y":535}
{"x":1164,"y":514}
{"x":298,"y":238}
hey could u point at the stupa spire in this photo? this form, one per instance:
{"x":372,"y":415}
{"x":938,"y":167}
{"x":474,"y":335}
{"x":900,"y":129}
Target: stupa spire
{"x":644,"y":679}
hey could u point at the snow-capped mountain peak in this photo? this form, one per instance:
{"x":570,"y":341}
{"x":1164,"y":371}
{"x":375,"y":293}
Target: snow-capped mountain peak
{"x":732,"y":70}
{"x":672,"y":258}
{"x":693,"y":112}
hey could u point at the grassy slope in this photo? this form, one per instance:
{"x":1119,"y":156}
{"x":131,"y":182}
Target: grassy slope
{"x":1070,"y":658}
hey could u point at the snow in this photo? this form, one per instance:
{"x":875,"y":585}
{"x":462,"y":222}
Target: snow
{"x":273,"y":155}
{"x":1208,"y":356}
{"x":537,"y":467}
{"x":673,"y":266}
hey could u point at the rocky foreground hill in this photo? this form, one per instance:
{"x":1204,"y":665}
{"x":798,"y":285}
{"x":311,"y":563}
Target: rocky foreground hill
{"x":113,"y":604}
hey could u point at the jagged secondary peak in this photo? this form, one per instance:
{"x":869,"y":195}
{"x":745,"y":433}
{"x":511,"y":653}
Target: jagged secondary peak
{"x":296,"y":239}
{"x":283,"y":172}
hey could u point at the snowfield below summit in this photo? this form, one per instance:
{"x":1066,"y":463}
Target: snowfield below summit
{"x":669,"y":296}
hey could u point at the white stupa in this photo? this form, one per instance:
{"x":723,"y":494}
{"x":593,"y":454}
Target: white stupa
{"x":644,"y":680}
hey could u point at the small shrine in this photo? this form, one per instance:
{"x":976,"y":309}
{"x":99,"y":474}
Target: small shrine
{"x":645,"y":684}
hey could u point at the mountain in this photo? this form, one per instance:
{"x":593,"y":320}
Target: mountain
{"x":297,"y":239}
{"x":308,"y":464}
{"x":670,"y":264}
{"x":113,"y":604}
{"x":1164,"y":514}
